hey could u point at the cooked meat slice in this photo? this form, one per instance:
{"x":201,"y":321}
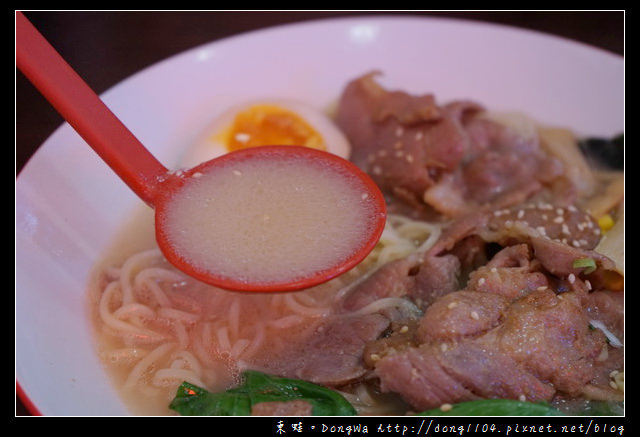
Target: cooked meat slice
{"x":511,"y":273}
{"x":461,"y":314}
{"x":436,"y":276}
{"x":331,"y":355}
{"x":533,"y":348}
{"x":390,"y":280}
{"x":420,"y":278}
{"x":550,"y":335}
{"x":448,"y":157}
{"x":285,"y":408}
{"x":430,"y":375}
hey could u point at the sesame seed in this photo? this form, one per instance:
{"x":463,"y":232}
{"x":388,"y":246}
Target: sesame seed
{"x":481,"y":281}
{"x":376,"y":170}
{"x":364,"y":196}
{"x":418,"y":136}
{"x":474,"y":315}
{"x":374,"y":357}
{"x":493,"y":269}
{"x":196,"y":175}
{"x":558,"y":219}
{"x":542,"y":231}
{"x":452,"y":305}
{"x":404,"y":329}
{"x":522,"y":398}
{"x":565,"y":229}
{"x":571,"y":278}
{"x":521,"y":213}
{"x":588,"y":284}
{"x":237,"y":172}
{"x":446,"y":407}
{"x":542,"y":288}
{"x":409,"y":158}
{"x":399,"y":131}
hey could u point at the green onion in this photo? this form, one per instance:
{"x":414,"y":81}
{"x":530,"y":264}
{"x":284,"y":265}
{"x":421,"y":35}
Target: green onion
{"x":588,"y":264}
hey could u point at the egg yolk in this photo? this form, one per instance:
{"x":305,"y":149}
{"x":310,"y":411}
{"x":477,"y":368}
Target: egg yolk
{"x":262,"y":125}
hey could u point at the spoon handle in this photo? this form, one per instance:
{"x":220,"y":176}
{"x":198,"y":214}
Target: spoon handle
{"x":81,"y":107}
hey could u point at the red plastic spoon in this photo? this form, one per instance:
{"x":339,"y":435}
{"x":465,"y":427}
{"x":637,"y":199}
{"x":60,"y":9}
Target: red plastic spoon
{"x":354,"y":211}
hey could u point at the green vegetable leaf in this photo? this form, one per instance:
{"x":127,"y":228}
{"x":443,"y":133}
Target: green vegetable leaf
{"x":257,"y":387}
{"x":495,"y":407}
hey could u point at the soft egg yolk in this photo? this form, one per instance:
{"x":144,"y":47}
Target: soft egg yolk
{"x":262,"y":125}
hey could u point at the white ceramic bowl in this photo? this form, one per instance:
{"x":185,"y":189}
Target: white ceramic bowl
{"x":69,"y":204}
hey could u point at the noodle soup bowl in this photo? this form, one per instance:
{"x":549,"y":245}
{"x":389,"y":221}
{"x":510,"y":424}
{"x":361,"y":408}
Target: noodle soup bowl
{"x":71,"y":210}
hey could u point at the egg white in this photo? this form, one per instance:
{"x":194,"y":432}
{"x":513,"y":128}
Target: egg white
{"x":207,"y":146}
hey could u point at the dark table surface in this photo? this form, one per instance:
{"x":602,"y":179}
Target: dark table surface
{"x":128,"y":41}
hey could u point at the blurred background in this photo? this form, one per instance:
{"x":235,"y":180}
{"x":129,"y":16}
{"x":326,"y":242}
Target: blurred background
{"x":105,"y":47}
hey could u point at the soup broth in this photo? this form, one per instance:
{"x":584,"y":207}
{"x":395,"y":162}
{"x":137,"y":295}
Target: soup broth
{"x":272,"y":219}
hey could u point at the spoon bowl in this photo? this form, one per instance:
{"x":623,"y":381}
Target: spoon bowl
{"x":161,"y":188}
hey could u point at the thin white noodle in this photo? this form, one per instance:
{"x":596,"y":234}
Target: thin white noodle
{"x":222,"y":335}
{"x":293,"y":304}
{"x":133,"y":310}
{"x":123,"y":356}
{"x":181,"y":333}
{"x":237,"y":329}
{"x":199,"y":346}
{"x":256,"y":341}
{"x":185,"y":359}
{"x":239,"y":347}
{"x":149,"y":277}
{"x":173,"y":377}
{"x":385,"y":303}
{"x":182,"y":316}
{"x":286,"y":321}
{"x":431,"y":240}
{"x":117,"y":324}
{"x":144,"y":364}
{"x":234,"y":317}
{"x":132,"y":265}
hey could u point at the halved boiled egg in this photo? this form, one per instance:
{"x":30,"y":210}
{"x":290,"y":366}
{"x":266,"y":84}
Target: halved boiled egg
{"x":268,"y":122}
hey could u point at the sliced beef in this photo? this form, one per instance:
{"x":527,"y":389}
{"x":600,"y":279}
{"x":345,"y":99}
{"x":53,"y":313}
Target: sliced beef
{"x":566,"y":225}
{"x":436,"y":276}
{"x":285,"y":408}
{"x":446,"y":157}
{"x":332,"y":355}
{"x":392,"y":279}
{"x":533,"y":348}
{"x":461,"y":314}
{"x":429,"y":375}
{"x":511,"y":273}
{"x":549,"y":334}
{"x":420,"y":278}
